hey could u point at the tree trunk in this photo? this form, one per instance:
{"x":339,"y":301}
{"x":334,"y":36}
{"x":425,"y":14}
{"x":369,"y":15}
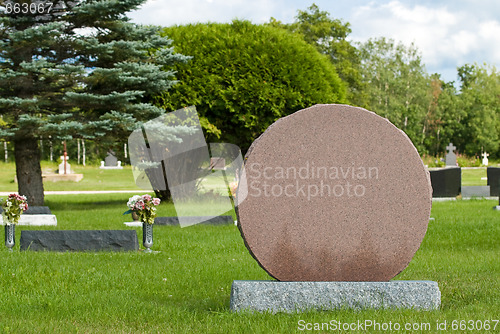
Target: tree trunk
{"x":28,"y":170}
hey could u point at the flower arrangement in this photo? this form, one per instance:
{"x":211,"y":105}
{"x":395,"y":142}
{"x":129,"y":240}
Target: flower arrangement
{"x":144,"y":206}
{"x":13,"y":207}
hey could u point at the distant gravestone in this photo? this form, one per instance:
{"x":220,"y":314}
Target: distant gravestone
{"x":335,"y":196}
{"x":493,"y":174}
{"x":446,"y":182}
{"x":485,"y":158}
{"x":451,"y":158}
{"x":111,"y":162}
{"x":475,"y":191}
{"x":217,"y":163}
{"x":64,"y":168}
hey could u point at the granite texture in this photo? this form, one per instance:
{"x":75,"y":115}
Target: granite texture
{"x":493,"y":174}
{"x":218,"y":220}
{"x":446,"y":182}
{"x":79,"y":240}
{"x":335,"y":193}
{"x":273,"y":296}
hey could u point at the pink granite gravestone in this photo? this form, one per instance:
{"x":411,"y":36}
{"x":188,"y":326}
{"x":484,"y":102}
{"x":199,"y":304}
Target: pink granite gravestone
{"x":335,"y":193}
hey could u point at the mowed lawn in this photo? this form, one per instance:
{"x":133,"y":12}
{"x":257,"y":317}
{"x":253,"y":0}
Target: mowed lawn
{"x":185,"y":286}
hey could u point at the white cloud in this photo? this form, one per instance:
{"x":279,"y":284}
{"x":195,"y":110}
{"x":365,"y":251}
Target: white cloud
{"x":448,"y":34}
{"x":167,"y":12}
{"x":446,"y":37}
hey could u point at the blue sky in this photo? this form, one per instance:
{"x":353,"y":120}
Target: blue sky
{"x":447,"y":33}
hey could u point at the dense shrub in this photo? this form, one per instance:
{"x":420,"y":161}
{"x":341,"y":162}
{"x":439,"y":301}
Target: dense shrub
{"x":242,"y":77}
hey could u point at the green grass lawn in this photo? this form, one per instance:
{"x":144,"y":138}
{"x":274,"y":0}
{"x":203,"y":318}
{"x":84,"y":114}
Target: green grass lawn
{"x":473,"y":177}
{"x":95,"y":178}
{"x":185,"y":287}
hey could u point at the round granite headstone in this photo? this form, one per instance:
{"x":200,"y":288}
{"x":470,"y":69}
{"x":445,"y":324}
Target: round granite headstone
{"x":335,"y":193}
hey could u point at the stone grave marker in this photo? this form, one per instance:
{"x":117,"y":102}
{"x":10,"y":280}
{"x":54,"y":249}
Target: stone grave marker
{"x":111,"y":162}
{"x":493,"y":175}
{"x":70,"y":175}
{"x":475,"y":191}
{"x":79,"y":240}
{"x":451,"y":158}
{"x":485,"y":158}
{"x":446,"y":182}
{"x":61,"y":170}
{"x":36,"y":216}
{"x":338,"y":203}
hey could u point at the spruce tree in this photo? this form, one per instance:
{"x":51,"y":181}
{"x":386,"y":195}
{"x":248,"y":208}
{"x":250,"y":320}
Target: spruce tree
{"x":75,"y":69}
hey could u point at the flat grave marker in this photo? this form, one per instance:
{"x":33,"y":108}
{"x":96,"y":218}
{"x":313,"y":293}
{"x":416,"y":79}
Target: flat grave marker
{"x":79,"y":240}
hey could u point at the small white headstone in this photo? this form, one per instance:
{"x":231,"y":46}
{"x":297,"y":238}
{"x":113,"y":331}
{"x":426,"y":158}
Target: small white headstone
{"x":485,"y":158}
{"x":68,"y":166}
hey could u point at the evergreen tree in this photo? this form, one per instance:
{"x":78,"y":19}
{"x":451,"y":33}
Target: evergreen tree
{"x":75,"y":69}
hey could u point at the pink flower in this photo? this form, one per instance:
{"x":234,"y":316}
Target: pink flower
{"x":146,"y":198}
{"x":156,"y":201}
{"x":139,"y":205}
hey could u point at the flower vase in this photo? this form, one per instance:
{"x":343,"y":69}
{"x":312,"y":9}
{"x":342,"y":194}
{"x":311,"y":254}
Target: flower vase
{"x":147,"y":236}
{"x":10,"y":236}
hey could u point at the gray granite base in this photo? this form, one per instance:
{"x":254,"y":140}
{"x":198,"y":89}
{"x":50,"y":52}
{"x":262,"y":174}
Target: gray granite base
{"x":274,"y":296}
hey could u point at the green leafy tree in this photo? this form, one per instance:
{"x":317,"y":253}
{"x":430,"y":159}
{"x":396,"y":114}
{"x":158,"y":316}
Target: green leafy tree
{"x":75,"y":69}
{"x":398,"y":86}
{"x":445,"y":115}
{"x":243,"y":77}
{"x":480,"y":99}
{"x":329,"y":36}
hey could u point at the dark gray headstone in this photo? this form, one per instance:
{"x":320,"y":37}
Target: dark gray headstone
{"x":219,"y":220}
{"x":493,"y":174}
{"x":80,"y":240}
{"x":38,"y":210}
{"x":111,"y":160}
{"x":446,"y":182}
{"x":35,"y":210}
